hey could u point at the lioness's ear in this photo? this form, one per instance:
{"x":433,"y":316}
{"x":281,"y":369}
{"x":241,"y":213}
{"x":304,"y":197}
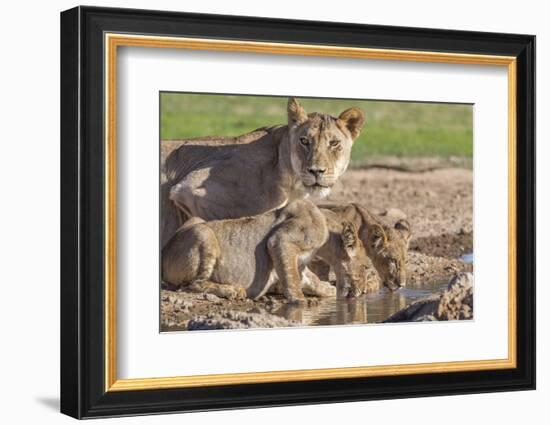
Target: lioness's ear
{"x":349,"y":235}
{"x":378,"y":237}
{"x":353,"y":119}
{"x":296,"y":114}
{"x":404,"y":227}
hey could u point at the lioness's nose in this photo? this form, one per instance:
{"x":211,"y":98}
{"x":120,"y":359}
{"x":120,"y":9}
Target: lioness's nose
{"x":317,"y":172}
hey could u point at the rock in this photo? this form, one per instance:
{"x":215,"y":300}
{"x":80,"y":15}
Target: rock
{"x":454,"y":303}
{"x":415,"y":311}
{"x":185,"y":305}
{"x":237,"y":320}
{"x":457,"y":302}
{"x":212,"y":298}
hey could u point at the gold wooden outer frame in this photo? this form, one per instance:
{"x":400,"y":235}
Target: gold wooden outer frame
{"x":113,"y":41}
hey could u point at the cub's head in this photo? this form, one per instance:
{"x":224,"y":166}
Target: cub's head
{"x":320,"y":145}
{"x":386,"y":246}
{"x":350,"y":263}
{"x":388,"y":250}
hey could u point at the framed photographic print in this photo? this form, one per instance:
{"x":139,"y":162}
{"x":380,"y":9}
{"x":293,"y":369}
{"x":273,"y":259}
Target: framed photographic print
{"x":261,"y":212}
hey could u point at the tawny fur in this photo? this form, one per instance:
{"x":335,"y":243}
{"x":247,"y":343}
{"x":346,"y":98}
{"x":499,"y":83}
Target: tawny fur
{"x":238,"y":177}
{"x":386,"y":246}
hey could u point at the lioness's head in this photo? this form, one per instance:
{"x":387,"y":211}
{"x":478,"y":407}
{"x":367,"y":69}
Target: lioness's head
{"x":388,"y":250}
{"x":320,"y":145}
{"x":349,"y":263}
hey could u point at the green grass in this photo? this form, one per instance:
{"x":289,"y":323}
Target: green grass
{"x":402,"y":129}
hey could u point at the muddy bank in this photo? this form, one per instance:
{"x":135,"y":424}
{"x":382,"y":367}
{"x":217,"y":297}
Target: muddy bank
{"x":181,"y":310}
{"x":426,"y":268}
{"x":184,"y":310}
{"x":232,"y":319}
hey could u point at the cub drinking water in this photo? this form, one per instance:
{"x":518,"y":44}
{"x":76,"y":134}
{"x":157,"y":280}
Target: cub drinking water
{"x":386,"y":246}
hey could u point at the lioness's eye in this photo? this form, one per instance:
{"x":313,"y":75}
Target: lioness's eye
{"x":304,"y":140}
{"x":334,"y":143}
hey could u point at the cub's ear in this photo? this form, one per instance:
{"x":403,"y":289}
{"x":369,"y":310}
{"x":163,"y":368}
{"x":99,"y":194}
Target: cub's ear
{"x":378,"y":237}
{"x":296,"y":114}
{"x":404,"y":227}
{"x":349,"y":212}
{"x":353,"y":119}
{"x":349,"y":235}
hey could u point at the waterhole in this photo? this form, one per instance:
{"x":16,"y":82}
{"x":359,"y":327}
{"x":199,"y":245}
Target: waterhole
{"x":369,"y":308}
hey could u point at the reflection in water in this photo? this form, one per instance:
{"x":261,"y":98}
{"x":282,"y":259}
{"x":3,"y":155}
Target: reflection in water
{"x":370,"y":308}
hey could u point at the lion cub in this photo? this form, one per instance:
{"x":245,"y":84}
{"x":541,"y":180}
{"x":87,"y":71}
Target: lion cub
{"x":386,"y":246}
{"x":241,"y":257}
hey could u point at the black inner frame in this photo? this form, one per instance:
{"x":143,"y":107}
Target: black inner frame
{"x":82,"y":207}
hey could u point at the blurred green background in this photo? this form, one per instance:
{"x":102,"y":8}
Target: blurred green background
{"x":400,"y":129}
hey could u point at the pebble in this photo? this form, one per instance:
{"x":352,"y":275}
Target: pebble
{"x":211,"y":298}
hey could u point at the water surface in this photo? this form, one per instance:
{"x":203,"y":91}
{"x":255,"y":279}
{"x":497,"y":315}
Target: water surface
{"x":370,"y":308}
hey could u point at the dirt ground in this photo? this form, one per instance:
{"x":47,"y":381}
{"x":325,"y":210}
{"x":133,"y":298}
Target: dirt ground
{"x":437,"y":202}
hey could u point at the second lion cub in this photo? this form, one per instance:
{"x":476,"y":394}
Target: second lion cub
{"x":243,"y":257}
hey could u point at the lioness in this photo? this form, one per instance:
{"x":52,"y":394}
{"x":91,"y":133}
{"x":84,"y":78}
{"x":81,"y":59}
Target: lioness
{"x":234,"y":258}
{"x":216,"y":180}
{"x":386,"y":246}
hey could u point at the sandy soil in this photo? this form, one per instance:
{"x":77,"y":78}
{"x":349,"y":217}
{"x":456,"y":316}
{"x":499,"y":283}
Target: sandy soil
{"x":437,"y":203}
